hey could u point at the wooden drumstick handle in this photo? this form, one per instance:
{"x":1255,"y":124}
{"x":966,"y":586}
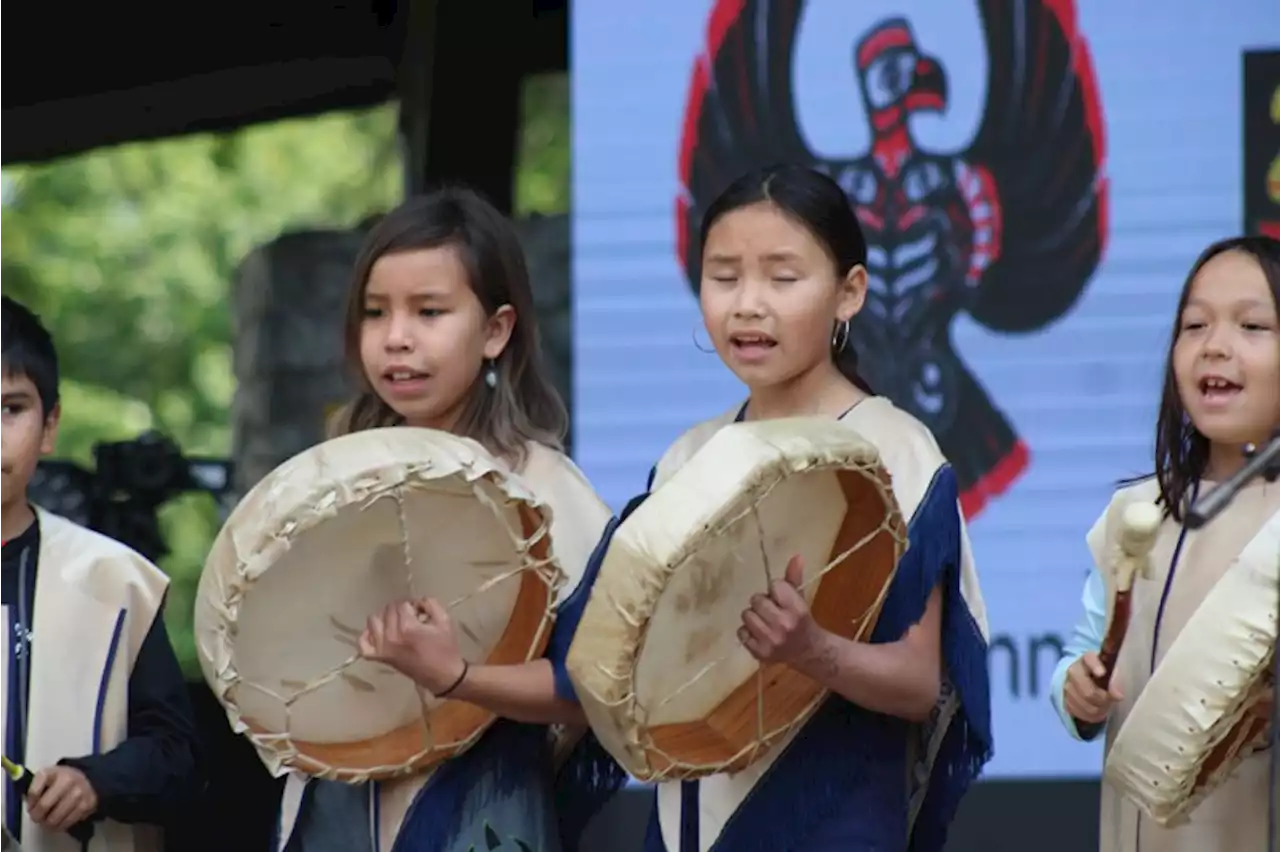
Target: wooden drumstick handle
{"x":1138,"y":528}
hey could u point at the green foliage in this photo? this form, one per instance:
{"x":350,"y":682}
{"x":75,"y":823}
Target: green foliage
{"x":128,"y":254}
{"x":542,"y":179}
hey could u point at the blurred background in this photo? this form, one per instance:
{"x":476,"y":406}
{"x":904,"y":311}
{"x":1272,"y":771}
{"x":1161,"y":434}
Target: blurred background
{"x":182,"y":204}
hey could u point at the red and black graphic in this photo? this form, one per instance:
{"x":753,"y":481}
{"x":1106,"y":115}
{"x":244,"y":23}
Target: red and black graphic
{"x":1261,"y":110}
{"x":1009,"y":230}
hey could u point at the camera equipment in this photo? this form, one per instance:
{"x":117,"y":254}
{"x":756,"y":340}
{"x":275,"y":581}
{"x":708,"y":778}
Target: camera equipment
{"x":131,"y":480}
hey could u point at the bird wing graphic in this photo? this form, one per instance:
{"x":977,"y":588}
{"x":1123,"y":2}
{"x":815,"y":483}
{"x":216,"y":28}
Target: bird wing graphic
{"x":1036,"y":166}
{"x":740,"y":114}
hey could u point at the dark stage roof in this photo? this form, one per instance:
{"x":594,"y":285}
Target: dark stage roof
{"x":86,"y":75}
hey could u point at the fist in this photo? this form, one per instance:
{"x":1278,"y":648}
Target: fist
{"x":778,"y":628}
{"x":416,"y":638}
{"x":1084,"y":699}
{"x":60,"y":797}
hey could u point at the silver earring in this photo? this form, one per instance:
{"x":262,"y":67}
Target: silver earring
{"x":840,"y":336}
{"x":699,"y":346}
{"x":490,"y":375}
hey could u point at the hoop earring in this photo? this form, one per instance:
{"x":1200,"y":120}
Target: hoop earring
{"x":699,"y":346}
{"x":490,"y":375}
{"x":840,"y":336}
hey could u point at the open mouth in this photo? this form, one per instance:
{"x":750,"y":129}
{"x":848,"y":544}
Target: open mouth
{"x":403,"y":376}
{"x":752,"y":342}
{"x":1218,"y":389}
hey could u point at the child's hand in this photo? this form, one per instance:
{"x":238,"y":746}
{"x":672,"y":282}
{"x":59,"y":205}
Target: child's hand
{"x":777,"y":628}
{"x":1084,"y":699}
{"x":416,"y":638}
{"x":60,"y":797}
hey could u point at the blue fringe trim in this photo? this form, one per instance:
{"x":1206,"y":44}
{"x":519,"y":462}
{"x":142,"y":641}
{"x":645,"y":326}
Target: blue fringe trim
{"x":967,"y":746}
{"x":809,"y":801}
{"x":510,"y":757}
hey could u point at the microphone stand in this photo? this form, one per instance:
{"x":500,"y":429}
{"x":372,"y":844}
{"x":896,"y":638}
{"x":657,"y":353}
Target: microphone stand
{"x":1265,"y":464}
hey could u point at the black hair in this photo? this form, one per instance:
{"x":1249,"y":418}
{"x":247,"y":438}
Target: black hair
{"x":28,"y":351}
{"x":818,"y":204}
{"x":1182,"y":453}
{"x":524,"y":406}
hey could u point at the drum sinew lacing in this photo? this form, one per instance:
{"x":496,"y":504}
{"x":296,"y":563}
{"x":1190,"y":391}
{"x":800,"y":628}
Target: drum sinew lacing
{"x":428,"y":474}
{"x":820,"y":460}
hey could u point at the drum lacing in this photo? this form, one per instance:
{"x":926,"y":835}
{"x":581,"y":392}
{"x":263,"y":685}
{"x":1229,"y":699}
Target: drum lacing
{"x":765,"y":739}
{"x":279,"y":748}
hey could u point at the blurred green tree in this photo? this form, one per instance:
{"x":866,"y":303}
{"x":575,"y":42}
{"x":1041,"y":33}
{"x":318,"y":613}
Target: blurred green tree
{"x":127,"y":254}
{"x":543,"y":171}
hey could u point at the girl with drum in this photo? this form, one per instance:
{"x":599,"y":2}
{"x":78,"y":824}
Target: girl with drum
{"x":885,"y":759}
{"x":440,"y":327}
{"x":1221,"y":391}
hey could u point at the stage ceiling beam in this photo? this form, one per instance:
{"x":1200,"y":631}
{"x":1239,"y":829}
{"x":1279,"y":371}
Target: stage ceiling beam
{"x":100,"y":75}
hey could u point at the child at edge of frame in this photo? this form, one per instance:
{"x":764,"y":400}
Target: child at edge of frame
{"x":1220,"y":392}
{"x":97,"y":712}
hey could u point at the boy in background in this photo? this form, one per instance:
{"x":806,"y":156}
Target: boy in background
{"x":95,"y":703}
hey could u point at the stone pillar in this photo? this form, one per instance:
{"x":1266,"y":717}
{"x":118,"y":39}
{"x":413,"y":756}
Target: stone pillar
{"x":287,"y":310}
{"x":546,"y":246}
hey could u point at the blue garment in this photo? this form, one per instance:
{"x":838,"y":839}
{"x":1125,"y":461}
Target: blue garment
{"x":809,"y":801}
{"x":502,"y":791}
{"x":499,"y":794}
{"x":590,"y":777}
{"x":333,"y":817}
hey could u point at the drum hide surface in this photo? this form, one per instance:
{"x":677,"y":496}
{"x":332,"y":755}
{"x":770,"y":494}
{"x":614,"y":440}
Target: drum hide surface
{"x":1190,"y":726}
{"x":669,"y":689}
{"x":330,"y":538}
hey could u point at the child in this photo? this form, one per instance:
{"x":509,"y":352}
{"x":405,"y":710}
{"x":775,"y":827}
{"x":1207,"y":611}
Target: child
{"x":1221,"y":391}
{"x":95,"y":703}
{"x":884,"y":762}
{"x":441,"y":327}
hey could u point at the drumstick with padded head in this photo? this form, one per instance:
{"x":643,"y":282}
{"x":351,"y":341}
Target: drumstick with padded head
{"x":1138,"y":527}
